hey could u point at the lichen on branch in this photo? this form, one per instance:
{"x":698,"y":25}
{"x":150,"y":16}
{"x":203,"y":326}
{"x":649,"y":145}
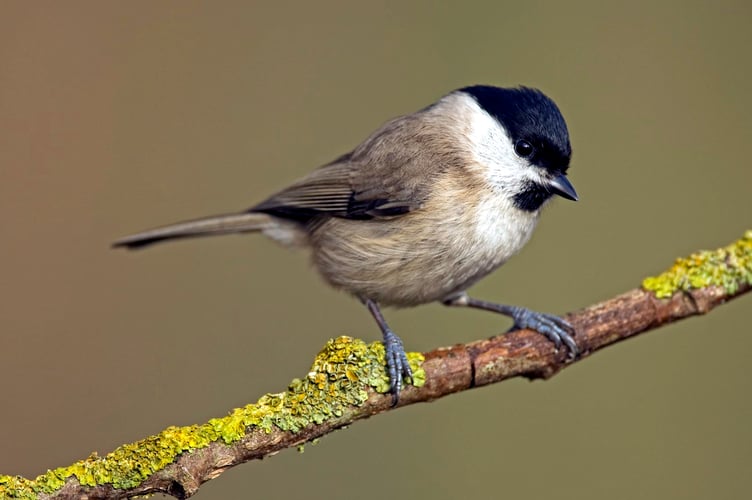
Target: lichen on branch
{"x":339,"y":378}
{"x":727,"y":267}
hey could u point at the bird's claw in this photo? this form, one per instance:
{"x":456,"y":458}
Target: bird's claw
{"x":553,"y":327}
{"x":397,"y":365}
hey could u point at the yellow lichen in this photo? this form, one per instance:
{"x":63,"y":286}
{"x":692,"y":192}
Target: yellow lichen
{"x":339,"y":378}
{"x":727,"y":267}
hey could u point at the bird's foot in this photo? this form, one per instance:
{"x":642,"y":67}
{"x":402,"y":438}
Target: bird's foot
{"x":397,"y":366}
{"x":553,"y":327}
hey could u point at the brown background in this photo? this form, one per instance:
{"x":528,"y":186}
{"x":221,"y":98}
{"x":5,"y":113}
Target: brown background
{"x":117,"y":117}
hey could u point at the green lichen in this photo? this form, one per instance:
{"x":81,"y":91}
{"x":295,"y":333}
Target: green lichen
{"x":340,"y":377}
{"x":728,"y":267}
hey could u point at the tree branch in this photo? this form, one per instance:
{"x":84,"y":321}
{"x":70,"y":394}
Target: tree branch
{"x":347,"y":383}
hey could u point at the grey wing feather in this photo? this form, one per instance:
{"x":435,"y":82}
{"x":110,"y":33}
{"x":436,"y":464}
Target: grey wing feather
{"x":325,"y":189}
{"x":383,"y":177}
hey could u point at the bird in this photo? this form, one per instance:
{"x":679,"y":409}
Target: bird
{"x":422,"y":209}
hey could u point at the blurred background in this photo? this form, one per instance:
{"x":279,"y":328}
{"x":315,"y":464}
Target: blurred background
{"x":115,"y":117}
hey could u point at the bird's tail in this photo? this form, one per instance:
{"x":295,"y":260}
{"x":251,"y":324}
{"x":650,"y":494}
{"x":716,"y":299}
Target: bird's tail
{"x":207,"y":226}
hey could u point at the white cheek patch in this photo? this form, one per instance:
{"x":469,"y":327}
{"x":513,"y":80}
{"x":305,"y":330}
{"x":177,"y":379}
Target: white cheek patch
{"x":494,"y":152}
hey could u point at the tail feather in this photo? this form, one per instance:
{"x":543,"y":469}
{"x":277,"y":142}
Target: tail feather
{"x":208,"y":226}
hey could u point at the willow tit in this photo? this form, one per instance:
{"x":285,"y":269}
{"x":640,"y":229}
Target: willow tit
{"x":425,"y":207}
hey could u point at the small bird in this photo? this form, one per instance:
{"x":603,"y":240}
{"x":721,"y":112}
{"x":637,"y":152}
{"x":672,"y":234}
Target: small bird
{"x":427,"y":205}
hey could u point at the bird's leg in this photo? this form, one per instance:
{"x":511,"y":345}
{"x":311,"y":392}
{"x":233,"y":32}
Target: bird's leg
{"x":553,"y":327}
{"x":397,"y":365}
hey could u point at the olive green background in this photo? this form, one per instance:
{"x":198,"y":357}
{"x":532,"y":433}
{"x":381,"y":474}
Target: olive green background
{"x":115,"y":117}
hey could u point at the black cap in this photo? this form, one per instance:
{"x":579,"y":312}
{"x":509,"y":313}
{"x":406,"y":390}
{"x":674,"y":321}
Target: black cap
{"x":528,"y":115}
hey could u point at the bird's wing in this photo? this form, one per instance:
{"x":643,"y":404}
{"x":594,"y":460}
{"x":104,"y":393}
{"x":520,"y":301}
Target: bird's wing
{"x":386,"y":176}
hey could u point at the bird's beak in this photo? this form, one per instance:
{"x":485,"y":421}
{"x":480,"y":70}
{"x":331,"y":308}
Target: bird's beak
{"x":561,"y":186}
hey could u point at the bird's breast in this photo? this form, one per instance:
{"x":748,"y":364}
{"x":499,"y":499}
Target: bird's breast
{"x":424,"y":256}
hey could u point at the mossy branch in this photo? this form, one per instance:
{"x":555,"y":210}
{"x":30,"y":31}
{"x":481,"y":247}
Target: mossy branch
{"x":347,"y":383}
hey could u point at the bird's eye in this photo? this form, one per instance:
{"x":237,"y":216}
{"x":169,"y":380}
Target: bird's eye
{"x":523,"y":148}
